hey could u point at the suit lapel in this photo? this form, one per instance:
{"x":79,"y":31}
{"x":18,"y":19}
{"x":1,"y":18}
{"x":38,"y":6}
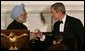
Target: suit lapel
{"x":66,"y":23}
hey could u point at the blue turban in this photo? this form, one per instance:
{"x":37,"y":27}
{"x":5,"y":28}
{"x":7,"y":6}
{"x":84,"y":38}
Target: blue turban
{"x":17,"y":11}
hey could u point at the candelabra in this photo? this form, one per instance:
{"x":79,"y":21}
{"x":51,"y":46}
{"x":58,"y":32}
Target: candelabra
{"x":13,"y":39}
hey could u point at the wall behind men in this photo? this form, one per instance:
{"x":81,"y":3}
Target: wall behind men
{"x":34,"y":8}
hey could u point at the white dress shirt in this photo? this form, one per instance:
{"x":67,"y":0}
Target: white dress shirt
{"x":61,"y":28}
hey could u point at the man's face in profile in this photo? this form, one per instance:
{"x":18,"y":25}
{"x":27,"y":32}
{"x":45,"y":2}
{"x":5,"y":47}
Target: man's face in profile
{"x":55,"y":15}
{"x":23,"y":16}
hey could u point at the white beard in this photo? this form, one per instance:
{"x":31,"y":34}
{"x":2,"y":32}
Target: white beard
{"x":21,"y":20}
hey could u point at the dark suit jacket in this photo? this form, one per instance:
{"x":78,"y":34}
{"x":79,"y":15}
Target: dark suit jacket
{"x":16,"y":26}
{"x":73,"y":35}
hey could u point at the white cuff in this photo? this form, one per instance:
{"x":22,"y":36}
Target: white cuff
{"x":42,"y":38}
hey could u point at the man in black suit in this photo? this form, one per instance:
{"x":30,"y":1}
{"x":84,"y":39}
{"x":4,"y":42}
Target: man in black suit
{"x":68,"y":28}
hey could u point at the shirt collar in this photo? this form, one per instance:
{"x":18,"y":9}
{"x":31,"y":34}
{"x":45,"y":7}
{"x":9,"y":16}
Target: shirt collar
{"x":64,"y":18}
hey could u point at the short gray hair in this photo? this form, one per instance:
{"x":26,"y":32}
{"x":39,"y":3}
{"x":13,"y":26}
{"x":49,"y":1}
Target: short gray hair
{"x":59,"y":7}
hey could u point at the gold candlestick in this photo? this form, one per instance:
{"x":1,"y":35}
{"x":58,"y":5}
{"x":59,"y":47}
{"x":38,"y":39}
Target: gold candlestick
{"x":12,"y":39}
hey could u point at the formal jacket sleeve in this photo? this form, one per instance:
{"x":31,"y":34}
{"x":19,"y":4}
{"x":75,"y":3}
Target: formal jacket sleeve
{"x":79,"y":32}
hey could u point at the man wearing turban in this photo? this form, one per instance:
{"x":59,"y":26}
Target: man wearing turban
{"x":19,"y":15}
